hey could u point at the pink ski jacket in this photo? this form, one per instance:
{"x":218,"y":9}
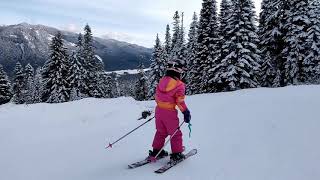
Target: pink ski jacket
{"x":170,"y":93}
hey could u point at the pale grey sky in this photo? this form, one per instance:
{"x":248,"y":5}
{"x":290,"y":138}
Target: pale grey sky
{"x":134,"y":21}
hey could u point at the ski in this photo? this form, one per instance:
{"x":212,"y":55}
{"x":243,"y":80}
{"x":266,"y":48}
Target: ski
{"x":141,"y":163}
{"x":170,"y":164}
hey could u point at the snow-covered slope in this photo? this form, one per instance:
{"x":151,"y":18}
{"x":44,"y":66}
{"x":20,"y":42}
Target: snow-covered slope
{"x":257,"y":134}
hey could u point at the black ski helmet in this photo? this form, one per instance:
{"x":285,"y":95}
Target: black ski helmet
{"x":175,"y":68}
{"x":176,"y":65}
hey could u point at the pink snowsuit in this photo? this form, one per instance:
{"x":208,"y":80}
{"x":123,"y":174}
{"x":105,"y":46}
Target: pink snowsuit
{"x":169,"y":94}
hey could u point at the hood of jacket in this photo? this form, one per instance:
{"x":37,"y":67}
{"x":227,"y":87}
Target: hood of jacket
{"x":168,"y":84}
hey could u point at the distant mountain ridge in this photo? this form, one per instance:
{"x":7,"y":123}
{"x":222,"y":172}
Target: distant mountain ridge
{"x":30,"y":44}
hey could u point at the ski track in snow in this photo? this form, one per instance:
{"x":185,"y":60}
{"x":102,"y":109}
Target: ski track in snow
{"x":256,"y":134}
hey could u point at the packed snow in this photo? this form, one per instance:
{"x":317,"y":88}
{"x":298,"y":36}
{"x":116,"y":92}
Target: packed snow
{"x":256,"y":134}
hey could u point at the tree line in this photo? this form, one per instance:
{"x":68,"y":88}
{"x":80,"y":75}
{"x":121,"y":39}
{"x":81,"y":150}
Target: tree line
{"x":232,"y":50}
{"x":64,"y":77}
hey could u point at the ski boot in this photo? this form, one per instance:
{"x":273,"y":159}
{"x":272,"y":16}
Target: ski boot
{"x":176,"y":157}
{"x":153,"y":154}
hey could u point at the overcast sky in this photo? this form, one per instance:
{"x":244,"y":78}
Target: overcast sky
{"x":134,"y":21}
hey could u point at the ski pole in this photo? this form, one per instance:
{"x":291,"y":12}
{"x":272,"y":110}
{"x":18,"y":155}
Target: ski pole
{"x":154,"y":159}
{"x":111,"y":144}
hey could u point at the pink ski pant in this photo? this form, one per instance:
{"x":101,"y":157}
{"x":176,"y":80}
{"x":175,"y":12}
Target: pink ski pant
{"x":167,"y":122}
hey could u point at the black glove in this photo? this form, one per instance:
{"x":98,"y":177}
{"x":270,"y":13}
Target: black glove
{"x":187,"y":116}
{"x":145,"y":114}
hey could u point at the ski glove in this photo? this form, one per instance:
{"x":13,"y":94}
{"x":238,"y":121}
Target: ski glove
{"x":187,"y":116}
{"x":145,"y":114}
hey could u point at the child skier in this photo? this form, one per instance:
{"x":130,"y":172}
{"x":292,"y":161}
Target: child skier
{"x":170,"y":93}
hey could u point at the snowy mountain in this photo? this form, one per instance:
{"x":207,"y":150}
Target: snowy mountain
{"x":30,"y":44}
{"x":255,"y":134}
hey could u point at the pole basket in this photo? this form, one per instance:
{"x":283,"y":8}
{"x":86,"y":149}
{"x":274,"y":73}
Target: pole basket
{"x":110,"y":146}
{"x":153,"y":159}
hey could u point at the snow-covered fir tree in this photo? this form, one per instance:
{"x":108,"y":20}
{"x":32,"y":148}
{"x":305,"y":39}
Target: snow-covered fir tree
{"x":18,"y":84}
{"x":117,"y":90}
{"x":29,"y":84}
{"x":29,"y":71}
{"x":295,"y":25}
{"x":109,"y":86}
{"x":276,"y":22}
{"x":38,"y":86}
{"x":157,"y":68}
{"x":311,"y":63}
{"x":55,"y":73}
{"x":5,"y":87}
{"x":192,"y":50}
{"x":141,"y":87}
{"x":224,"y":16}
{"x":240,"y":68}
{"x":88,"y":50}
{"x":75,"y":78}
{"x":128,"y":88}
{"x":208,"y":65}
{"x":206,"y":47}
{"x":81,"y":63}
{"x":92,"y":66}
{"x":175,"y":45}
{"x":182,"y":53}
{"x":167,"y":43}
{"x":182,"y":33}
{"x":79,"y":52}
{"x":269,"y":34}
{"x":106,"y":85}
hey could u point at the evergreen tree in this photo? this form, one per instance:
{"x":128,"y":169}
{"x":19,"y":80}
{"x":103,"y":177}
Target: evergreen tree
{"x":109,"y":86}
{"x":182,"y":30}
{"x":157,"y":67}
{"x":209,"y":65}
{"x":239,"y":69}
{"x":75,"y":78}
{"x":55,"y":73}
{"x":29,"y":71}
{"x":88,"y":50}
{"x":18,"y":84}
{"x":167,"y":44}
{"x":269,"y":34}
{"x":182,"y":49}
{"x":80,"y":52}
{"x":311,"y":64}
{"x":29,"y":84}
{"x":105,"y":86}
{"x":92,"y":65}
{"x":38,"y":86}
{"x":175,"y":36}
{"x":207,"y":40}
{"x":224,"y":16}
{"x":295,"y":25}
{"x":141,"y":89}
{"x":5,"y":87}
{"x":277,"y":21}
{"x":192,"y":50}
{"x":223,"y":46}
{"x":80,"y":56}
{"x":128,"y":88}
{"x":117,"y":91}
